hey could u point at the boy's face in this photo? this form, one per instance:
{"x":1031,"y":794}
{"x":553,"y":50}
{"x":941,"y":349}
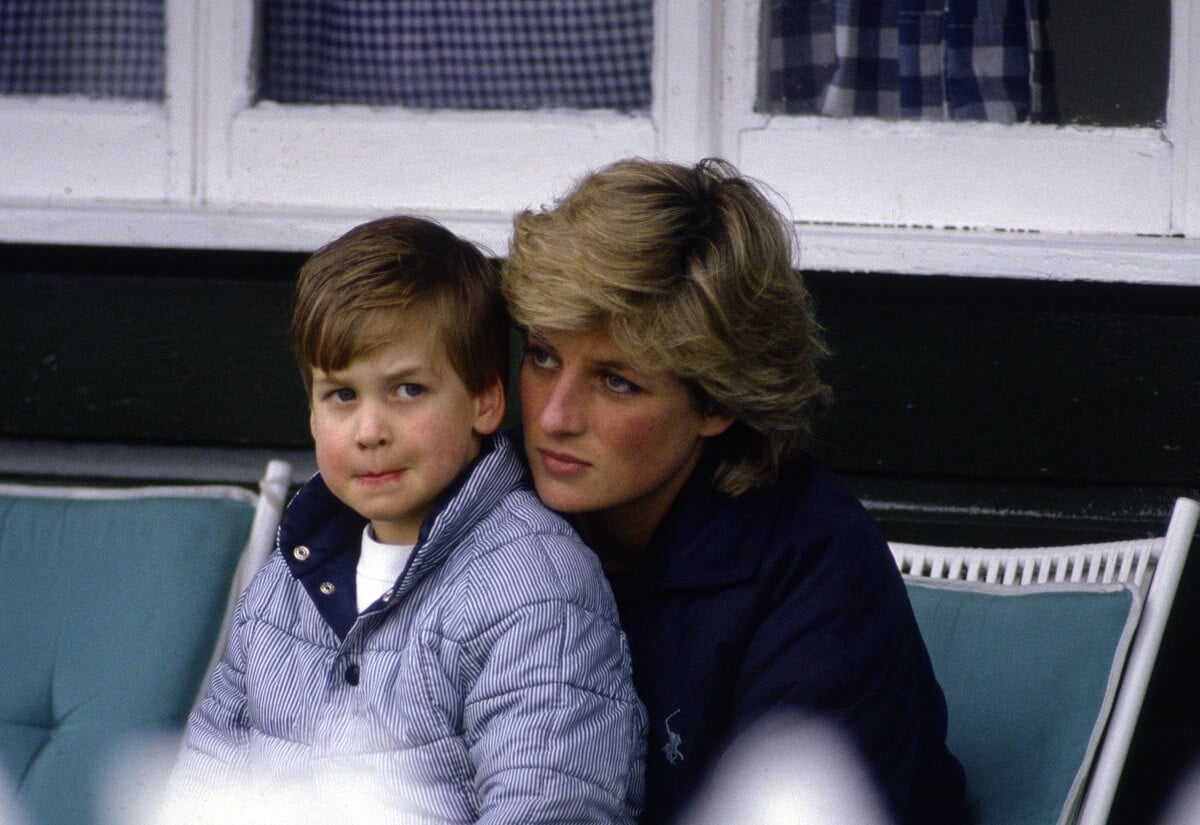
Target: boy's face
{"x":395,"y":427}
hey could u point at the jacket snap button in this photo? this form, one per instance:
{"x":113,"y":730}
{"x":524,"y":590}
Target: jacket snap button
{"x":327,"y":588}
{"x":300,"y":553}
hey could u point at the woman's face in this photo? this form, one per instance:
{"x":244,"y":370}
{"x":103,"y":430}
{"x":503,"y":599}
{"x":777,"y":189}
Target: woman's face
{"x":607,"y":444}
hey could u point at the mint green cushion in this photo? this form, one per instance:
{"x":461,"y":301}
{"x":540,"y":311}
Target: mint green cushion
{"x":1029,"y":681}
{"x":110,"y":608}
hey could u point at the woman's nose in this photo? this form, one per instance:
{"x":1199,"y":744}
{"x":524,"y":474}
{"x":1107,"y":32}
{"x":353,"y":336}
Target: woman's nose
{"x":563,"y":412}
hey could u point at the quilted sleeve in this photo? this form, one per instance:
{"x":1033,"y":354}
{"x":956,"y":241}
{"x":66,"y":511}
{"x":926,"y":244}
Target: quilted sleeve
{"x":556,"y":732}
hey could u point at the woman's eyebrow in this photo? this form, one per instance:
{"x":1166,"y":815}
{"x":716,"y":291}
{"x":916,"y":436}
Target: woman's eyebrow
{"x":610,"y":364}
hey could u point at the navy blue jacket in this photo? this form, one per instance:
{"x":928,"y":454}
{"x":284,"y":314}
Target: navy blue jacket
{"x":783,"y":598}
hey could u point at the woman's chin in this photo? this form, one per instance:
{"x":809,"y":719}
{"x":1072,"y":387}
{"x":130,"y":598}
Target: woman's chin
{"x":560,"y":500}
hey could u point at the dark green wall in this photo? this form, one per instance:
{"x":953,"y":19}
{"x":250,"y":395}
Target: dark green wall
{"x":940,"y":377}
{"x":966,"y":410}
{"x":149,"y":346}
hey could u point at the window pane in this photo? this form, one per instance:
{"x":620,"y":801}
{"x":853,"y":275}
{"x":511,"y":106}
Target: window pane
{"x":97,"y":48}
{"x":1100,"y":62}
{"x":458,"y":54}
{"x":1109,"y":60}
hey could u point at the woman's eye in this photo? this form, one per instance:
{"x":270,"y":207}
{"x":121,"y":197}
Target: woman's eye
{"x":539,"y":357}
{"x":619,"y":385}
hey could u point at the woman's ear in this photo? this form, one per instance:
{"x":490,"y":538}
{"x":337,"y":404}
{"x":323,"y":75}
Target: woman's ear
{"x":489,"y":409}
{"x":715,"y":422}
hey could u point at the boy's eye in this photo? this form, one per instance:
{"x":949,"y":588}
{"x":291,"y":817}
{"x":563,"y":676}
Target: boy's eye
{"x":619,"y":385}
{"x":344,"y":395}
{"x":409,"y":390}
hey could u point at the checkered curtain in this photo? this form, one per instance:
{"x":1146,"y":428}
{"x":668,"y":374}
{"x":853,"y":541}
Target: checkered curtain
{"x":97,"y":48}
{"x":458,"y":54}
{"x":918,"y":59}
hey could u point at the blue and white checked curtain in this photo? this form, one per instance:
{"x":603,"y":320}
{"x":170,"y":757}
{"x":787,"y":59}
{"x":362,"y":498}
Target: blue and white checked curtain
{"x":97,"y":48}
{"x":922,"y":59}
{"x":458,"y":54}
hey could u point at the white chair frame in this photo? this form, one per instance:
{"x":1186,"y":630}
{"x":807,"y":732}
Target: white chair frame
{"x":268,"y":510}
{"x":1153,"y":565}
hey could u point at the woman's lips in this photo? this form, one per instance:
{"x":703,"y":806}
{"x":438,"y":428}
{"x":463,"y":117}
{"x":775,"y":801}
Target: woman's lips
{"x":562,"y":464}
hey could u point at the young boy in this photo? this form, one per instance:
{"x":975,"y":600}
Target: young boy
{"x":426,"y":627}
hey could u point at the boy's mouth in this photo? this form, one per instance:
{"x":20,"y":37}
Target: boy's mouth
{"x":380,"y":477}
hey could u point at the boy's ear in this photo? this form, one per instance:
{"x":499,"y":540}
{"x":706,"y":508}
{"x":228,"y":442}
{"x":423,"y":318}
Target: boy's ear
{"x":489,"y":409}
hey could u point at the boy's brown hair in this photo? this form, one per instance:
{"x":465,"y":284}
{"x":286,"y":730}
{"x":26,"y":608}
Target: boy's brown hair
{"x":352,"y":292}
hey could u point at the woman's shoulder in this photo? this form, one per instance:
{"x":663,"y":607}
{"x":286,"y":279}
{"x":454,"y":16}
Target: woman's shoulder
{"x":809,"y":502}
{"x":808,"y":529}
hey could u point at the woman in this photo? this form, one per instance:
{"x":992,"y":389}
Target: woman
{"x":668,"y":384}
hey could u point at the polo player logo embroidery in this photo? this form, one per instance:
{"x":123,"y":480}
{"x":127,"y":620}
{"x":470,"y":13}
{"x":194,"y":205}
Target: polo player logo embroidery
{"x":674,"y":740}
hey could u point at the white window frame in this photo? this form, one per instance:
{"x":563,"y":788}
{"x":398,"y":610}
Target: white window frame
{"x":207,"y":169}
{"x":60,"y":151}
{"x":981,"y":199}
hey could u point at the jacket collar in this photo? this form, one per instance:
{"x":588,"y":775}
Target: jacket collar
{"x":706,"y":540}
{"x":331,"y":533}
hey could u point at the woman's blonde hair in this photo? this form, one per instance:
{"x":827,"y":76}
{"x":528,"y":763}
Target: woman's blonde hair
{"x":690,"y":269}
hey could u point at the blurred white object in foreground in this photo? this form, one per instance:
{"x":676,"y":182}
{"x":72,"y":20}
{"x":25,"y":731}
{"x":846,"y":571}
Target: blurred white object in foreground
{"x":9,"y":813}
{"x":788,"y":770}
{"x":794,"y":770}
{"x":137,"y":794}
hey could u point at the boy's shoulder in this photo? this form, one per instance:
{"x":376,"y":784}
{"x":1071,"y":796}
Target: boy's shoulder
{"x":528,"y":551}
{"x":520,"y":509}
{"x":270,"y":578}
{"x":272,"y":594}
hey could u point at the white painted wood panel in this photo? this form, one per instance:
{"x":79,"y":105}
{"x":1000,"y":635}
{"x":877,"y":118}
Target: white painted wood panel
{"x":353,"y":157}
{"x":75,"y":150}
{"x":982,"y":176}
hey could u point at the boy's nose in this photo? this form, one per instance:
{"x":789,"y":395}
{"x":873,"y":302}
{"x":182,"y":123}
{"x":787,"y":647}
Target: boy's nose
{"x":372,"y":429}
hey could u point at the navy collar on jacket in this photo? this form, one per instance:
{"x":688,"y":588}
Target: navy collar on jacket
{"x":332,"y":534}
{"x":707,"y":539}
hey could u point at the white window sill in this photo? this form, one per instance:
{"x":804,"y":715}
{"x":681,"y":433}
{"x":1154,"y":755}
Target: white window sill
{"x":902,"y":250}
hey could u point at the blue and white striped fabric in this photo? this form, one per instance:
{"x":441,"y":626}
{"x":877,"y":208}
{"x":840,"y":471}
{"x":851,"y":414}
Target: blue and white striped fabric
{"x":921,"y":59}
{"x":459,"y":54}
{"x":491,"y":684}
{"x":97,"y":48}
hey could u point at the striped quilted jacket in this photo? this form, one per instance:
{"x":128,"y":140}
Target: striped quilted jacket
{"x":490,"y":684}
